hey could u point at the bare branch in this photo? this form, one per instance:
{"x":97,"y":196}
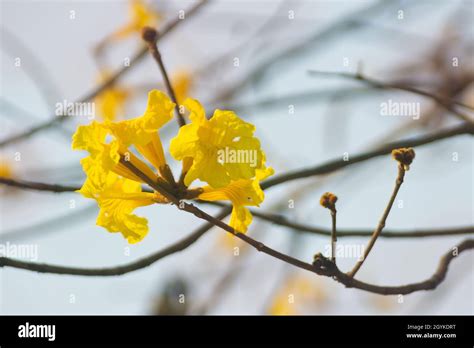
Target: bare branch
{"x":444,"y":102}
{"x":281,"y":220}
{"x":150,"y":36}
{"x":320,"y":266}
{"x":428,"y":284}
{"x":139,"y":55}
{"x":337,"y":164}
{"x":117,"y":270}
{"x":383,"y":220}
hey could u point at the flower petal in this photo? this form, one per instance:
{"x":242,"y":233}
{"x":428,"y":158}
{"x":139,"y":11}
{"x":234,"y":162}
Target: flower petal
{"x":117,"y":203}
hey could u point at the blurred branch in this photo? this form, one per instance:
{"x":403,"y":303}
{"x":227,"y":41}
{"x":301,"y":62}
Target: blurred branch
{"x":337,"y":164}
{"x":150,"y":36}
{"x":445,"y":102}
{"x":19,"y":113}
{"x":139,"y":55}
{"x":277,"y":219}
{"x":117,"y":270}
{"x":319,"y":40}
{"x":32,"y":65}
{"x":37,"y":186}
{"x":283,"y":221}
{"x":43,"y":228}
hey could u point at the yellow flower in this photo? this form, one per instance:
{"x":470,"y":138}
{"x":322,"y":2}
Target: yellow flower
{"x":109,"y":181}
{"x":242,"y":193}
{"x":296,"y":295}
{"x":182,"y":83}
{"x":117,"y":199}
{"x":111,"y":102}
{"x":6,"y":170}
{"x":115,"y":171}
{"x":141,"y":15}
{"x":204,"y":141}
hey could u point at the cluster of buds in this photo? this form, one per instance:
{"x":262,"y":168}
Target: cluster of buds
{"x":328,"y":200}
{"x":404,"y":156}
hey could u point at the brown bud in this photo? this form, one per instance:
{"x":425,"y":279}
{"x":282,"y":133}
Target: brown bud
{"x":404,"y":156}
{"x":328,"y":200}
{"x":149,"y":34}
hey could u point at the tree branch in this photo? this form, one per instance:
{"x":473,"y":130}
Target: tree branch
{"x":428,"y":284}
{"x":118,"y":270}
{"x":444,"y":102}
{"x":150,"y":36}
{"x":337,"y":164}
{"x":140,"y":54}
{"x":320,"y":266}
{"x":321,"y":169}
{"x":281,"y":220}
{"x":383,"y":220}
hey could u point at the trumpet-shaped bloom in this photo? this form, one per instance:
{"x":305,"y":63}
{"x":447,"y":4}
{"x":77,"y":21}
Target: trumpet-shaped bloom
{"x":109,"y":180}
{"x":115,"y":173}
{"x":111,"y":102}
{"x":182,"y":83}
{"x":242,"y":193}
{"x":141,"y":15}
{"x":6,"y":170}
{"x":204,"y":141}
{"x":307,"y":290}
{"x":117,"y":199}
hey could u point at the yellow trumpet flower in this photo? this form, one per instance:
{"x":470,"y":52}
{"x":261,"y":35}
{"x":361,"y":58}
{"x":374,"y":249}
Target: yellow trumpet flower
{"x":116,"y":188}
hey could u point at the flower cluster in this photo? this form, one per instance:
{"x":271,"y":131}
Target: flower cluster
{"x":125,"y":155}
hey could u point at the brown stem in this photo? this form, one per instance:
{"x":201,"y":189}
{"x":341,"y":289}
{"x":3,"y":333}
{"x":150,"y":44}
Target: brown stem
{"x":91,"y":95}
{"x":150,"y":36}
{"x":337,"y":164}
{"x":381,"y":225}
{"x":117,"y":270}
{"x":333,"y":235}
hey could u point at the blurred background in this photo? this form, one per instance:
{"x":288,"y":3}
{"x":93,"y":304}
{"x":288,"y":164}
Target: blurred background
{"x":253,"y":57}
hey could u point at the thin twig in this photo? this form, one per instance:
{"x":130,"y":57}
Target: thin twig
{"x":381,"y":224}
{"x":281,"y":220}
{"x":444,"y":102}
{"x":333,"y":235}
{"x":428,"y":284}
{"x":117,"y":270}
{"x":150,"y":36}
{"x":336,"y":164}
{"x":328,"y":200}
{"x":139,"y":55}
{"x":37,"y":186}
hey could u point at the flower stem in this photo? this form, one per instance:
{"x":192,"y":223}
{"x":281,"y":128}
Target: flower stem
{"x":150,"y":35}
{"x":333,"y":235}
{"x":381,"y":225}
